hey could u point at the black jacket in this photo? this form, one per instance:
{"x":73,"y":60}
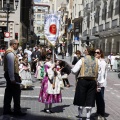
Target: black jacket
{"x":36,"y":54}
{"x":67,"y":68}
{"x":75,"y":60}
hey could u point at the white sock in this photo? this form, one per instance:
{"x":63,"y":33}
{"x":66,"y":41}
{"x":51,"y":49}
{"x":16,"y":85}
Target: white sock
{"x":88,"y":110}
{"x":80,"y":111}
{"x":46,"y":106}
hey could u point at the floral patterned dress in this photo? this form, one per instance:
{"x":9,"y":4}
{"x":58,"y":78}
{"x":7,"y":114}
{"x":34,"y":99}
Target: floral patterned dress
{"x":46,"y":98}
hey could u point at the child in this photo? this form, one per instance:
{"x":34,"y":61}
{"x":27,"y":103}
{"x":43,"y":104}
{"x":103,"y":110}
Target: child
{"x":39,"y":70}
{"x":50,"y":89}
{"x":25,"y":73}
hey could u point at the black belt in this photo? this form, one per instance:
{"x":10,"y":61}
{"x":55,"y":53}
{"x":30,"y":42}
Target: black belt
{"x":87,"y":78}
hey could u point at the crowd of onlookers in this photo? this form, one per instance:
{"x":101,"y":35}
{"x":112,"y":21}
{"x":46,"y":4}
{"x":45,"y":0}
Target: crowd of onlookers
{"x":32,"y":60}
{"x":114,"y":62}
{"x":90,"y":75}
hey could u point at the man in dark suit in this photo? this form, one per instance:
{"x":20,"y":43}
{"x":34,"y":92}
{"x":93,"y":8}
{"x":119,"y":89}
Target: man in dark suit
{"x":36,"y":56}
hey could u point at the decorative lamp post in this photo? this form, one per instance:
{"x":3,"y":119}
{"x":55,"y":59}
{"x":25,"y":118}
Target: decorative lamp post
{"x":8,"y":10}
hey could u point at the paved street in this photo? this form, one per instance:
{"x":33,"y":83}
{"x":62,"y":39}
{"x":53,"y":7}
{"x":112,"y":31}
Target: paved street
{"x":65,"y":110}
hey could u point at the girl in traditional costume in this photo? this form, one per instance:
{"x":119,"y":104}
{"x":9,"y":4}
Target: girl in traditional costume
{"x":50,"y":89}
{"x":25,"y":73}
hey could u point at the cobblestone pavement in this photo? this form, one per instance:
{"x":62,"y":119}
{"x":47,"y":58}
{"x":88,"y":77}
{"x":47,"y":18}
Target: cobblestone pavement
{"x":65,"y":110}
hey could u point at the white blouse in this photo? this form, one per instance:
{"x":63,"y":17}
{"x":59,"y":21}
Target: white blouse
{"x":102,"y":73}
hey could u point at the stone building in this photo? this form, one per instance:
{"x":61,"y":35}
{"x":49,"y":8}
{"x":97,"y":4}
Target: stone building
{"x":102,"y":19}
{"x":19,"y":22}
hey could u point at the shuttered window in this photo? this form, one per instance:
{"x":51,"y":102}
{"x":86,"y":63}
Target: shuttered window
{"x":117,"y":9}
{"x":110,"y":12}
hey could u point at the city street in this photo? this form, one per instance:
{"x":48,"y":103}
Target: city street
{"x":65,"y":110}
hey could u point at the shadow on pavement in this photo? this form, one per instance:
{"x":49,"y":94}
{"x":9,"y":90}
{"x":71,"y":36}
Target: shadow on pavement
{"x":38,"y":116}
{"x":60,"y":108}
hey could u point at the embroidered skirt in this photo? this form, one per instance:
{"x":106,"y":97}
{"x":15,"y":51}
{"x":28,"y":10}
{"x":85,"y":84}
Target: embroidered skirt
{"x":46,"y":98}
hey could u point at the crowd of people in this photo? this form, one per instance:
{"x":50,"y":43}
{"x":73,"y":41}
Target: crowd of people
{"x":90,"y":76}
{"x":114,"y":62}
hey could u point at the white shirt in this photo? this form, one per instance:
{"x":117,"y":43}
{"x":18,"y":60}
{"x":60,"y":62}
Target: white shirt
{"x":102,"y":73}
{"x":77,"y":66}
{"x":29,"y":54}
{"x":10,"y":61}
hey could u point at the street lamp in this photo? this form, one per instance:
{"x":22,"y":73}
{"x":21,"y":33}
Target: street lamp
{"x":8,"y":10}
{"x":16,"y":3}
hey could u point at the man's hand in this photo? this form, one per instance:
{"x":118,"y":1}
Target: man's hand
{"x":13,"y":82}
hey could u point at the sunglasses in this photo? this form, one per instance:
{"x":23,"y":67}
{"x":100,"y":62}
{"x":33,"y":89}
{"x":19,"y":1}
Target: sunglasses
{"x":97,"y":52}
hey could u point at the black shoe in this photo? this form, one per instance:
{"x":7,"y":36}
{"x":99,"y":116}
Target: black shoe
{"x":19,"y":113}
{"x":47,"y":111}
{"x":51,"y":111}
{"x":8,"y":113}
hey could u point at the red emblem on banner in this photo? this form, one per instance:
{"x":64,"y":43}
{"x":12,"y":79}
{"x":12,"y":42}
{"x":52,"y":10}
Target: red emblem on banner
{"x":53,"y":29}
{"x":6,"y":34}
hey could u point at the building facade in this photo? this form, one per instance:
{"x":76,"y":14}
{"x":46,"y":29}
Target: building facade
{"x":102,"y":19}
{"x":18,"y":22}
{"x":40,"y":9}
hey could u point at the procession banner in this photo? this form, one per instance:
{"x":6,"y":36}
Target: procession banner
{"x":52,"y":27}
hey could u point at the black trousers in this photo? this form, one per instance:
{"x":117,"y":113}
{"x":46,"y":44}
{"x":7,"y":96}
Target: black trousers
{"x":11,"y":91}
{"x":85,"y":93}
{"x":100,"y":102}
{"x":66,"y":82}
{"x":33,"y":67}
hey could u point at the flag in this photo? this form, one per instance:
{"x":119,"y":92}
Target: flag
{"x":51,"y":28}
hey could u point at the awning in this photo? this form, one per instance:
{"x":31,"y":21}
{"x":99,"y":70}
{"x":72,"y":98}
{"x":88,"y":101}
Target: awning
{"x":77,"y":19}
{"x":91,"y":38}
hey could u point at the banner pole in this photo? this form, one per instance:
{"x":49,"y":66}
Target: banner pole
{"x":53,"y":49}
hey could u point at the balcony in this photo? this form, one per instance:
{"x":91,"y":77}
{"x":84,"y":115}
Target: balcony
{"x":107,"y":26}
{"x":114,"y":23}
{"x":100,"y":28}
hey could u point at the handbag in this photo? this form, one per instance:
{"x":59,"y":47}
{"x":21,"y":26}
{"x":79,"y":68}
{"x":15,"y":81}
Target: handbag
{"x":61,"y":84}
{"x":65,"y":76}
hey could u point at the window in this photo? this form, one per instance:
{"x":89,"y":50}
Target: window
{"x":104,"y":11}
{"x":11,"y":4}
{"x":110,"y":12}
{"x":39,"y":16}
{"x":117,"y":9}
{"x":43,"y":16}
{"x":0,"y":4}
{"x":38,"y":28}
{"x":75,"y":9}
{"x":38,"y":22}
